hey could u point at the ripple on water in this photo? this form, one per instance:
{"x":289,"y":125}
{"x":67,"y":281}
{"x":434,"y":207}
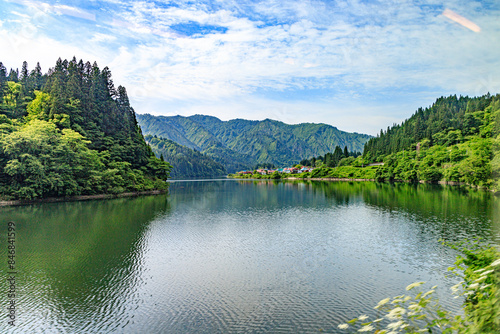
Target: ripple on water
{"x":236,"y":257}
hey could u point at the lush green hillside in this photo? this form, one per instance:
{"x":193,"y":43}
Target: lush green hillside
{"x":455,"y":139}
{"x":186,"y":163}
{"x":240,"y":144}
{"x":71,"y":132}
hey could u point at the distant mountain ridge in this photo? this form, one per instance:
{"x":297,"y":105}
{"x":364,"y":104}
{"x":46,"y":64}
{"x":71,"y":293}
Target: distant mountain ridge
{"x":240,"y":144}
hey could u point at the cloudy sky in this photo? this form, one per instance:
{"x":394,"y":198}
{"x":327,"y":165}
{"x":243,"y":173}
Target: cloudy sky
{"x":358,"y":65}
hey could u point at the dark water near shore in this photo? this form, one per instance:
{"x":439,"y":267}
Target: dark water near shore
{"x":235,"y":256}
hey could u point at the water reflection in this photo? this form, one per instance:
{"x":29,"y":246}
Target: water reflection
{"x":78,"y":262}
{"x":237,"y":256}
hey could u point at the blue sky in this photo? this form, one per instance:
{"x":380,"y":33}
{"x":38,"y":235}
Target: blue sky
{"x":358,"y":65}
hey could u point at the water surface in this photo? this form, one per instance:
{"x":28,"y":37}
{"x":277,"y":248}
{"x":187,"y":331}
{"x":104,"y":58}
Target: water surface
{"x":234,"y":256}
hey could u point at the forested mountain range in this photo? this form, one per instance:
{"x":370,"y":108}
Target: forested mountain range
{"x":456,"y":139}
{"x":71,"y":132}
{"x":186,"y":163}
{"x":239,"y":144}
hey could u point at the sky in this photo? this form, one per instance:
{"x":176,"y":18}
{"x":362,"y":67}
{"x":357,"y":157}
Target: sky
{"x":360,"y":66}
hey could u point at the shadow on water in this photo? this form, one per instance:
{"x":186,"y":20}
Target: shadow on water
{"x":81,"y":258}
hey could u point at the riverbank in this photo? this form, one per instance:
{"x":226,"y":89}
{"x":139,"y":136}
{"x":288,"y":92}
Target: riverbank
{"x":79,"y":198}
{"x":344,"y":179}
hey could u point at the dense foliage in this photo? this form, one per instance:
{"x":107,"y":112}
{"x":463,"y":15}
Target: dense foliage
{"x":456,"y":140}
{"x":242,"y":144}
{"x":186,"y":163}
{"x":331,"y":159}
{"x":71,"y":132}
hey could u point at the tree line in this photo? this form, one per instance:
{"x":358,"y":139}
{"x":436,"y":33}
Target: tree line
{"x":454,"y":140}
{"x":71,"y":132}
{"x":332,"y":159}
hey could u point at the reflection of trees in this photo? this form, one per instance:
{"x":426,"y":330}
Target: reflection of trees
{"x":81,"y":252}
{"x":466,"y":211}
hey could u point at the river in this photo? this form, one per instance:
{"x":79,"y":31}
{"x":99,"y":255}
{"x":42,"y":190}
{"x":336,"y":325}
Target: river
{"x":235,"y":256}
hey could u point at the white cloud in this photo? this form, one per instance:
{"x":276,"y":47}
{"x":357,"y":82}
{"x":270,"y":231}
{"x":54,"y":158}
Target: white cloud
{"x":346,"y":47}
{"x":98,"y":37}
{"x":24,"y":46}
{"x":73,"y":11}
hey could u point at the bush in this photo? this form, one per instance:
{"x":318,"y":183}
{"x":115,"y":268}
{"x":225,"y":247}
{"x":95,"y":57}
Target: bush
{"x":479,"y":271}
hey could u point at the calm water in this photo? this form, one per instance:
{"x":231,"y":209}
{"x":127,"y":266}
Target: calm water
{"x":235,"y":256}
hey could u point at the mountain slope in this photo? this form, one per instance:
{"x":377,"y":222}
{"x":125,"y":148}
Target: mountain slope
{"x":239,"y":144}
{"x":457,"y":139}
{"x":186,"y":163}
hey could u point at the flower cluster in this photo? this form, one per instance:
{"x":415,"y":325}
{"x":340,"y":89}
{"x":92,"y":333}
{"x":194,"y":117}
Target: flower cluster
{"x":422,"y":313}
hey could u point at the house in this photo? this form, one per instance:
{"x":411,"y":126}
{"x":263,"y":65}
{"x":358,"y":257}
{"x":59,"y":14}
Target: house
{"x":262,"y":171}
{"x":244,"y":172}
{"x":291,"y":170}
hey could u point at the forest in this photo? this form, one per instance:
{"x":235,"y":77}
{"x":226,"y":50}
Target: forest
{"x":454,"y":140}
{"x":336,"y":158}
{"x":71,"y":132}
{"x":186,"y":163}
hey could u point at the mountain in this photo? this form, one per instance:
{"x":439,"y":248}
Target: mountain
{"x":241,"y":144}
{"x":456,"y":139}
{"x":186,"y":163}
{"x":71,"y":132}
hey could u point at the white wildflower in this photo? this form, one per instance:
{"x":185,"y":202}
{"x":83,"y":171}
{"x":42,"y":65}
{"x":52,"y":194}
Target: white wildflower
{"x":485,"y":286}
{"x":343,"y":326}
{"x":378,"y":320}
{"x":395,"y":325}
{"x":395,"y":301}
{"x":414,"y":285}
{"x":382,"y":302}
{"x":495,"y":263}
{"x":480,"y":270}
{"x":363,"y":317}
{"x":396,"y":313}
{"x":430,"y":292}
{"x":473,"y":285}
{"x":456,"y":287}
{"x":434,"y":287}
{"x":480,"y":279}
{"x":415,"y":307}
{"x":423,"y":330}
{"x":487,"y":272}
{"x":366,"y":328}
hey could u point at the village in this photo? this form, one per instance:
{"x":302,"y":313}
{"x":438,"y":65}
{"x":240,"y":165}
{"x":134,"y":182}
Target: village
{"x":287,"y":170}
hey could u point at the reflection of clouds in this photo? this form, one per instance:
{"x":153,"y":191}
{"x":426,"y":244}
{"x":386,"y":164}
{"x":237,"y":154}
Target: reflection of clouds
{"x":461,"y":20}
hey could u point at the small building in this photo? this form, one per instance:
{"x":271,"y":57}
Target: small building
{"x":291,"y":170}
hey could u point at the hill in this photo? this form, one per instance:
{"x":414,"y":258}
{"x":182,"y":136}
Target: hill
{"x":71,"y":132}
{"x":240,"y":144}
{"x":186,"y":163}
{"x":456,"y":139}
